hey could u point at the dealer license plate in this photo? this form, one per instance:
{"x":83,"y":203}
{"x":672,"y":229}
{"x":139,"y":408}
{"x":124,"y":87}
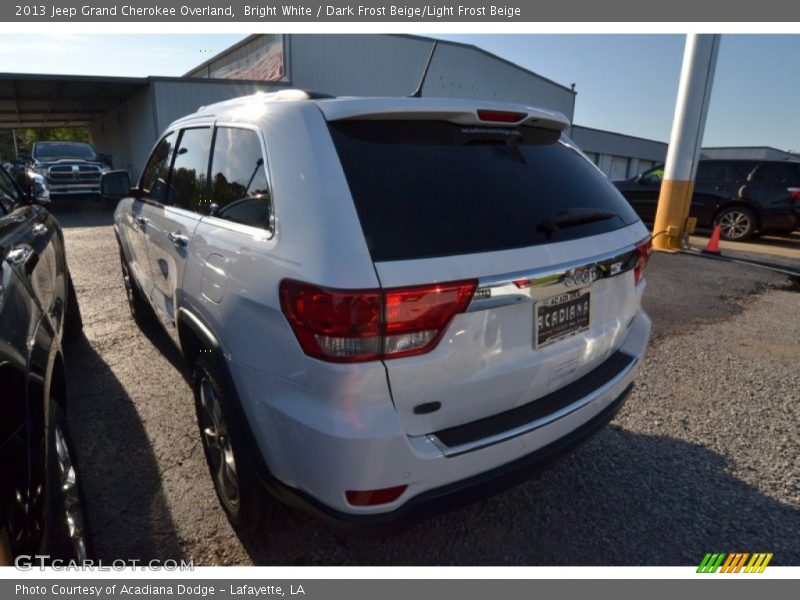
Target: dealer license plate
{"x":561,"y":316}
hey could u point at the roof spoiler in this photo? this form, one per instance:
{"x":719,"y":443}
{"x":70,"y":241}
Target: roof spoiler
{"x":461,"y":112}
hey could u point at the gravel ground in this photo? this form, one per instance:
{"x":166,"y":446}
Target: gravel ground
{"x":703,"y":457}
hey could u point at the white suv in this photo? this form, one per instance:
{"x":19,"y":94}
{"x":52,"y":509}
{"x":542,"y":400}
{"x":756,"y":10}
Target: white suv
{"x":384,"y":301}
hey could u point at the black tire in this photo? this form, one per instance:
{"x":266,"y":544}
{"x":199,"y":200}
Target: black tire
{"x":737,"y":223}
{"x":73,"y":321}
{"x":140,"y":310}
{"x":66,"y":530}
{"x":230,"y":456}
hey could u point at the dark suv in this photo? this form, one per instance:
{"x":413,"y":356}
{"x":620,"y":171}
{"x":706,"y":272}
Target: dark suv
{"x":744,"y":197}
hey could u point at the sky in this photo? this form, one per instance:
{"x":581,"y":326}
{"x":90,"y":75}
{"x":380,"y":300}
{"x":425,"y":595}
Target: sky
{"x":625,"y":83}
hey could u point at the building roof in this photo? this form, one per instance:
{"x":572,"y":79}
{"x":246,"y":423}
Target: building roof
{"x":254,"y":36}
{"x":28,"y":100}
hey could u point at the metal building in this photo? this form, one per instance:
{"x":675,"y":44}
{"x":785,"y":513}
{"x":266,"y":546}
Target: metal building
{"x":130,"y":129}
{"x":749,"y":153}
{"x":384,"y":65}
{"x":126,"y":115}
{"x":340,"y":65}
{"x":619,"y":156}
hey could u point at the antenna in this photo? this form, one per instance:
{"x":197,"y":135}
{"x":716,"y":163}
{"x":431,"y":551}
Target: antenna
{"x":418,"y":92}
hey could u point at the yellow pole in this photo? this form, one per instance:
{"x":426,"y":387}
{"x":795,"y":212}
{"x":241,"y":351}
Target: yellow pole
{"x":691,"y":108}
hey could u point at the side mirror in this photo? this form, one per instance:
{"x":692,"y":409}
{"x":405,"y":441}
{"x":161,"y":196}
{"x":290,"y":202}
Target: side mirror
{"x":115,"y":184}
{"x":37,"y":190}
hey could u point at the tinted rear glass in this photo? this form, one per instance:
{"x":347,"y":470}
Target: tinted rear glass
{"x":430,"y":188}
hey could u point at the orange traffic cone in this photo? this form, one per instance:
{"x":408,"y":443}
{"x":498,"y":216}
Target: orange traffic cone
{"x":713,"y":244}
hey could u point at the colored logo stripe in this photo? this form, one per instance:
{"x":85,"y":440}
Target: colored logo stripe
{"x":758,"y":563}
{"x":733,"y":562}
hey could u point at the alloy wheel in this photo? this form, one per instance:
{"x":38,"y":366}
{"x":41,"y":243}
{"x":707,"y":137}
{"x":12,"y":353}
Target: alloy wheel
{"x":735,"y":224}
{"x":217,"y":440}
{"x":72,"y":507}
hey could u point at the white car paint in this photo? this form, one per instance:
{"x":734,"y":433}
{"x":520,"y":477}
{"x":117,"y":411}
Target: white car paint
{"x":324,"y":428}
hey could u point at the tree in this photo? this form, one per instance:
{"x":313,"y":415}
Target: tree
{"x":26,"y":137}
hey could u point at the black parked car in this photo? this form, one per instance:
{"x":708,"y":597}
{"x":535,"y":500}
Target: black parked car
{"x":40,"y":502}
{"x":744,"y":197}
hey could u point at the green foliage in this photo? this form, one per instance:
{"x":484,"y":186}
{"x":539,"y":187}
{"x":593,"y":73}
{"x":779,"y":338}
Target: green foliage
{"x":26,"y":137}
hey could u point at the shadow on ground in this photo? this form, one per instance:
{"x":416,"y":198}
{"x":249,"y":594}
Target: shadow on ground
{"x":119,"y":472}
{"x":82,"y":213}
{"x":669,"y":503}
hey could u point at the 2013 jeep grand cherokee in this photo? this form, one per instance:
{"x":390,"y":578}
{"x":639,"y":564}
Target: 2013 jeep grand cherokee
{"x":384,"y":301}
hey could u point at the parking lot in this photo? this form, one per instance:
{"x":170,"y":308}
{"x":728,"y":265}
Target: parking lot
{"x":702,"y":458}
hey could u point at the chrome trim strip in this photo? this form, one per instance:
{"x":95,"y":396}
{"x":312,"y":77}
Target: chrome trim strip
{"x":450,"y":452}
{"x":59,"y":188}
{"x":501,"y":290}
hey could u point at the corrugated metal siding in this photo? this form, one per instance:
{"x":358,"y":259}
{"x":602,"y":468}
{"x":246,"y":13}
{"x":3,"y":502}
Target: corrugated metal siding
{"x":238,"y":53}
{"x":143,"y":130}
{"x":386,"y":65}
{"x":462,"y":72}
{"x":751,"y":153}
{"x":607,"y":142}
{"x":175,"y":99}
{"x":127,"y":133}
{"x":110,"y":135}
{"x":356,"y":65}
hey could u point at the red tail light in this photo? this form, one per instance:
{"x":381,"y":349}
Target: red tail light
{"x":643,"y":250}
{"x":501,"y":116}
{"x":362,"y":325}
{"x":794,"y":193}
{"x":373,"y":497}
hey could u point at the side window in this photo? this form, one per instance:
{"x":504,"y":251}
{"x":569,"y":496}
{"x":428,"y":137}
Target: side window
{"x":188,"y":184}
{"x":654,"y":176}
{"x":239,"y":184}
{"x":741,"y":169}
{"x":778,"y":174}
{"x":153,"y":183}
{"x":713,"y":172}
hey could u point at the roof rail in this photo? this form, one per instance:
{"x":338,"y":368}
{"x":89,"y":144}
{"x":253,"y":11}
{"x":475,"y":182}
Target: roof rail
{"x":277,"y":96}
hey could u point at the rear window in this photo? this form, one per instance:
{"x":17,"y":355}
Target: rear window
{"x":430,"y":188}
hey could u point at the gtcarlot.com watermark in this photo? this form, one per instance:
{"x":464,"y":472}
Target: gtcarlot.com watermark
{"x":27,"y":562}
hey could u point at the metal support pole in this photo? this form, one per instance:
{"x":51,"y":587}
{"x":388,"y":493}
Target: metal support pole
{"x":16,"y":150}
{"x":691,"y":108}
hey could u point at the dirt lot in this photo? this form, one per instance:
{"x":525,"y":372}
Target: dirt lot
{"x":703,"y":457}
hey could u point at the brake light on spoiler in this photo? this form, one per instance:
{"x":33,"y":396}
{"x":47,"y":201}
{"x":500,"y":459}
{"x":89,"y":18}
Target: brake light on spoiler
{"x":374,"y":324}
{"x":501,"y":116}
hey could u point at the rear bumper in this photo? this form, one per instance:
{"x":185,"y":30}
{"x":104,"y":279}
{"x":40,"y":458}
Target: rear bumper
{"x":458,"y":493}
{"x":313,"y":456}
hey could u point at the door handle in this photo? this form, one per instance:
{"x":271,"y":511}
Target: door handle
{"x":141,"y":222}
{"x":177,"y":238}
